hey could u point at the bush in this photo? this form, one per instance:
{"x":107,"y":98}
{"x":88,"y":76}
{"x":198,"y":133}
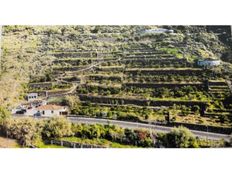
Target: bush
{"x":56,"y":127}
{"x":26,"y":130}
{"x":113,"y":133}
{"x":185,"y":110}
{"x":196,"y":109}
{"x":71,"y":101}
{"x":128,"y":117}
{"x":4,"y":113}
{"x":179,"y":137}
{"x":88,"y":131}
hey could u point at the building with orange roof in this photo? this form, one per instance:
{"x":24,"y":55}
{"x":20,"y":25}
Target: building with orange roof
{"x":51,"y":110}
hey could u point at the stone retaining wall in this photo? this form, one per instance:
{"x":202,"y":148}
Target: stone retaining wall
{"x":72,"y":144}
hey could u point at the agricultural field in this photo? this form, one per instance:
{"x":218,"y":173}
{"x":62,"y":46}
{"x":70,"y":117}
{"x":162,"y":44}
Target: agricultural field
{"x":123,"y":73}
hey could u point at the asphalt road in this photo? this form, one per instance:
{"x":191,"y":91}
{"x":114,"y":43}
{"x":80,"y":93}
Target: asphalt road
{"x":158,"y":128}
{"x":135,"y":125}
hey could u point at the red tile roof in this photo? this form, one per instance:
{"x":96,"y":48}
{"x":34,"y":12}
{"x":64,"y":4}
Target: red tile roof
{"x":50,"y":107}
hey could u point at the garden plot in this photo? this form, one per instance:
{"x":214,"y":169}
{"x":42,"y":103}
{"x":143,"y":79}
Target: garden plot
{"x":151,"y":56}
{"x":218,"y":89}
{"x":99,"y":88}
{"x":199,"y":85}
{"x":156,"y":63}
{"x":102,"y":77}
{"x":114,"y":69}
{"x":73,"y":54}
{"x":147,"y":78}
{"x":111,"y":68}
{"x":165,"y":71}
{"x":139,"y":102}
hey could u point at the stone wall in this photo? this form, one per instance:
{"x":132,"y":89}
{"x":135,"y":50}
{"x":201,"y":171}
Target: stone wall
{"x":139,"y":102}
{"x":165,"y":85}
{"x":72,"y":144}
{"x":214,"y":129}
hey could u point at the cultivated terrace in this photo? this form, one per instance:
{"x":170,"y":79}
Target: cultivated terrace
{"x":129,"y":73}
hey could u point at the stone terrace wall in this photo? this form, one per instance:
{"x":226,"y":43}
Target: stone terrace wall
{"x":140,"y":102}
{"x":72,"y":144}
{"x":159,"y":85}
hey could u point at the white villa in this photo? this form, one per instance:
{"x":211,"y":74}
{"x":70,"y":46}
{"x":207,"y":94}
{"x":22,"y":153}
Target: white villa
{"x":40,"y":108}
{"x":209,"y":62}
{"x":158,"y":31}
{"x":51,"y":110}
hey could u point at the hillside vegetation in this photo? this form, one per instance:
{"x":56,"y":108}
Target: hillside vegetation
{"x":121,"y":72}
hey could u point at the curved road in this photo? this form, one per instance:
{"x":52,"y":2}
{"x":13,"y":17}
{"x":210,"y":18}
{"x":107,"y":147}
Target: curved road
{"x":158,"y":128}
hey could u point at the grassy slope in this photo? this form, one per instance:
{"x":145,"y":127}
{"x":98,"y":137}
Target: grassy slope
{"x":27,"y":48}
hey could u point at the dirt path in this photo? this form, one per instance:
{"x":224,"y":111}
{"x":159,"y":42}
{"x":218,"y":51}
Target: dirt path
{"x":8,"y":143}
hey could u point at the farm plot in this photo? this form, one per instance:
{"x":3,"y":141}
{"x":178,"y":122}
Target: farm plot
{"x":157,"y":73}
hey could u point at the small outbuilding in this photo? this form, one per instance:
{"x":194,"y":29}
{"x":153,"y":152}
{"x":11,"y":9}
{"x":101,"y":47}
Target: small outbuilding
{"x":157,"y":31}
{"x":32,"y":96}
{"x":209,"y":62}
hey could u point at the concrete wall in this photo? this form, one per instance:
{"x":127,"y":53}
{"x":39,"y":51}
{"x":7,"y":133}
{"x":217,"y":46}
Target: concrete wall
{"x":51,"y":113}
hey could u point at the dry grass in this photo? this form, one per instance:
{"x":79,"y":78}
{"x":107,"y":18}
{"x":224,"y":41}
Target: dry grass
{"x":8,"y":143}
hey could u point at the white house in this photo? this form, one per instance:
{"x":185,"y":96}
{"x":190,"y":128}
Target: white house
{"x":32,"y":96}
{"x":51,"y":110}
{"x":209,"y":62}
{"x":158,"y":31}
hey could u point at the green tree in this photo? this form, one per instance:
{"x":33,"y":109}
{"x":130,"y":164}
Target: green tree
{"x":196,"y":109}
{"x":180,"y":137}
{"x":26,"y":130}
{"x":185,"y":110}
{"x":71,"y":101}
{"x":57,"y":127}
{"x":4,"y":113}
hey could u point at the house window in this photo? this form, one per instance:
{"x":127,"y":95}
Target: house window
{"x":43,"y":112}
{"x":52,"y":112}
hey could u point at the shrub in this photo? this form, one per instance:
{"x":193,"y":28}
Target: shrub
{"x":128,"y":117}
{"x":71,"y":101}
{"x":26,"y":130}
{"x":4,"y":113}
{"x":57,"y":127}
{"x":179,"y":137}
{"x":114,"y":133}
{"x":196,"y":109}
{"x":185,"y":110}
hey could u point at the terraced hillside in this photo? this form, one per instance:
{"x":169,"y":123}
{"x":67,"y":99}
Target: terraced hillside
{"x":122,"y":72}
